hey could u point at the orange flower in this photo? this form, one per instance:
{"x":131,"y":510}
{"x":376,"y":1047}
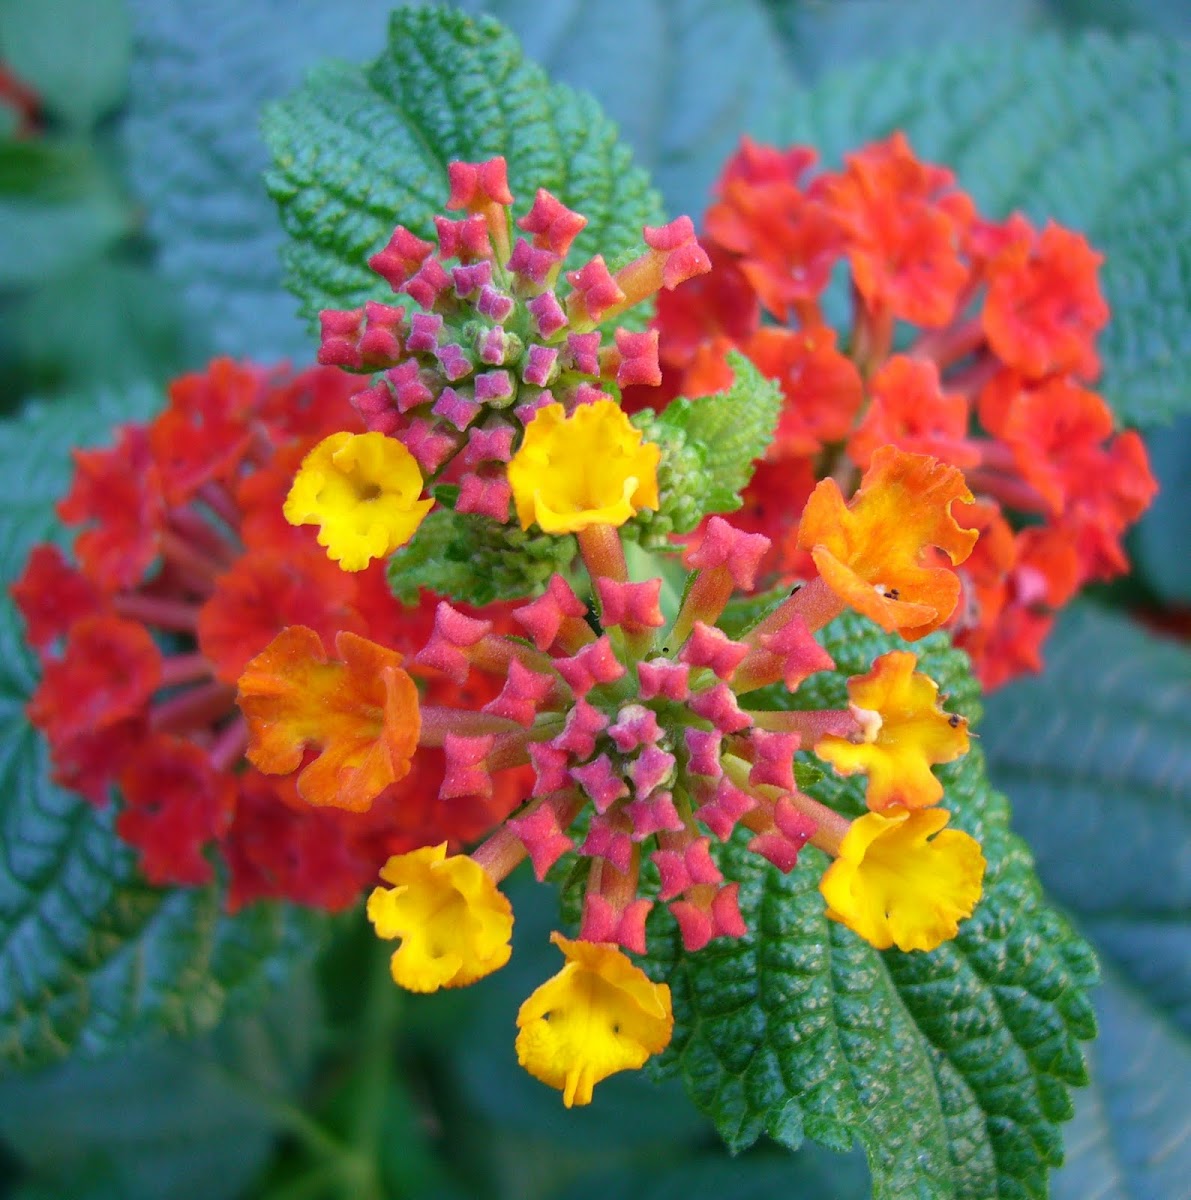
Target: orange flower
{"x":870,"y":552}
{"x":904,"y":732}
{"x":360,"y":710}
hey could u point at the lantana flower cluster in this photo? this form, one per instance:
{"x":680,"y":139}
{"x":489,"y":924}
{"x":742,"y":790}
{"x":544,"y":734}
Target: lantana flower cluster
{"x":972,"y":340}
{"x":648,"y":737}
{"x":491,"y":333}
{"x":183,"y":569}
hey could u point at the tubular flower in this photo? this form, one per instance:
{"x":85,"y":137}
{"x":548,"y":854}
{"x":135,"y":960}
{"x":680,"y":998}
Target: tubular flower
{"x":454,"y":925}
{"x":361,"y":490}
{"x":360,"y":710}
{"x":903,"y":731}
{"x":903,"y":880}
{"x":500,"y":330}
{"x":870,"y":551}
{"x":598,"y":1015}
{"x":591,"y":468}
{"x":182,"y":571}
{"x":993,"y":382}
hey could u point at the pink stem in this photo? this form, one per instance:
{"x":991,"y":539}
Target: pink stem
{"x":194,"y":708}
{"x":438,"y":721}
{"x":229,"y":745}
{"x":811,"y":725}
{"x":603,"y":553}
{"x":184,"y":668}
{"x":163,"y":614}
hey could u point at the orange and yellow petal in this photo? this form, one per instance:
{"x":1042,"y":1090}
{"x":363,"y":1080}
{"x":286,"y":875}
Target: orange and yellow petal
{"x":905,"y":731}
{"x":591,"y":468}
{"x":871,"y":552}
{"x":362,"y":490}
{"x":360,"y":710}
{"x":903,"y":880}
{"x":455,"y":925}
{"x":600,"y":1014}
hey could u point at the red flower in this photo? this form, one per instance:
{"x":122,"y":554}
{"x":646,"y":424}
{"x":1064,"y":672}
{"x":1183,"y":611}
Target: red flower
{"x":186,"y":570}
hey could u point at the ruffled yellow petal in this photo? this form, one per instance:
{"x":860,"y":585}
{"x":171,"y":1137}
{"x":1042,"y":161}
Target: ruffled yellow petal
{"x":454,"y":923}
{"x":591,"y":468}
{"x":899,"y":881}
{"x":598,"y":1015}
{"x":904,"y":730}
{"x":871,"y":551}
{"x":361,"y":490}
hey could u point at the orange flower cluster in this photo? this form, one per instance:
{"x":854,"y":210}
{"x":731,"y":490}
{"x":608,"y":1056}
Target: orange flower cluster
{"x":972,"y":341}
{"x":184,"y":569}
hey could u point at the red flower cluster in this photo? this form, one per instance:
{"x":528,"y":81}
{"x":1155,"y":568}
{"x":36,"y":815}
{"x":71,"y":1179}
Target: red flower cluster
{"x":184,"y":570}
{"x":994,"y":325}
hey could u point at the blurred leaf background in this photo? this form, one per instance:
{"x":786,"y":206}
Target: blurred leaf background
{"x":136,"y":239}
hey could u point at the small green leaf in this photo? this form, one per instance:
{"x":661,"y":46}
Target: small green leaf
{"x":951,"y":1068}
{"x":709,"y":448}
{"x":475,"y":560}
{"x":73,"y":53}
{"x":356,"y":151}
{"x":1093,"y":133}
{"x":59,"y":207}
{"x":90,"y":955}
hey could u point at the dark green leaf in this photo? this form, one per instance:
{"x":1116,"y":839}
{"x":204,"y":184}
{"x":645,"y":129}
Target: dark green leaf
{"x":709,"y":447}
{"x":58,"y":208}
{"x":191,"y":1120}
{"x":952,"y":1068}
{"x":1160,"y":540}
{"x":475,"y":560}
{"x":90,"y":956}
{"x":356,"y":151}
{"x":1097,"y":752}
{"x":73,"y":53}
{"x":1092,"y":133}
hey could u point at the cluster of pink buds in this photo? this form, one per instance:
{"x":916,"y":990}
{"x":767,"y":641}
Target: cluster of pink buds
{"x":489,"y":339}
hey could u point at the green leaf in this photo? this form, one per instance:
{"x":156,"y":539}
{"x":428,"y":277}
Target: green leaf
{"x":475,"y":560}
{"x":192,"y":1120}
{"x":1097,"y":754}
{"x":356,"y":151}
{"x":195,"y":154}
{"x":90,"y":956}
{"x":951,"y":1068}
{"x":1093,"y":133}
{"x":58,"y":207}
{"x":73,"y":53}
{"x":709,"y":448}
{"x":1160,"y":541}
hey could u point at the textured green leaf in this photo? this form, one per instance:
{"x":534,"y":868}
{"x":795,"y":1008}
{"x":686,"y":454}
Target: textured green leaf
{"x":1097,"y":752}
{"x":191,"y":1120}
{"x":951,"y":1068}
{"x":473,"y":559}
{"x":356,"y":151}
{"x":90,"y":956}
{"x":58,"y":208}
{"x":195,"y":155}
{"x":73,"y":53}
{"x":709,"y":447}
{"x":1093,"y":133}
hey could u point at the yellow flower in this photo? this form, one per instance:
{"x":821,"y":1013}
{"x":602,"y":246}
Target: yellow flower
{"x":453,"y":922}
{"x":362,"y":490}
{"x":591,"y":468}
{"x":894,"y":887}
{"x":598,"y":1015}
{"x":905,"y":731}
